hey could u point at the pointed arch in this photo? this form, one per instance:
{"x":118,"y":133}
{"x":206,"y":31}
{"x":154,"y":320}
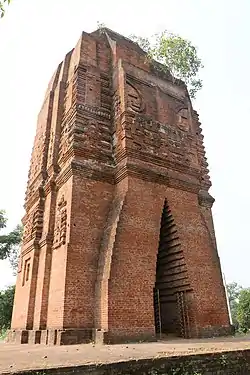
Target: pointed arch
{"x":172,"y":284}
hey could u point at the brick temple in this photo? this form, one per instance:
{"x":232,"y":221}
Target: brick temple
{"x":118,"y":242}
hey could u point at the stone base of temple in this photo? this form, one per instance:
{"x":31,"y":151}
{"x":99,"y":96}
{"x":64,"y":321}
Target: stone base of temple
{"x":17,"y":337}
{"x":216,"y":331}
{"x":98,"y":336}
{"x":51,"y":336}
{"x":121,"y":336}
{"x":78,"y":336}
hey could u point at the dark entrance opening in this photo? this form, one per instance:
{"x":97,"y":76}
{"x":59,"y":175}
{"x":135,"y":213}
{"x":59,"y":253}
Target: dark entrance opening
{"x":172,"y":287}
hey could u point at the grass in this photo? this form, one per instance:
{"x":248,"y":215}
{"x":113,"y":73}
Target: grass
{"x":3,"y":334}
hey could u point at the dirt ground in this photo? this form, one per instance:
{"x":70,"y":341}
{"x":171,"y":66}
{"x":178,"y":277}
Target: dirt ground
{"x":24,"y":357}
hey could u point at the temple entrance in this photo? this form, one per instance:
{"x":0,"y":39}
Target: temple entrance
{"x":172,"y":285}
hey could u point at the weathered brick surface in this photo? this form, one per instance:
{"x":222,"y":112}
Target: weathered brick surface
{"x":117,"y":204}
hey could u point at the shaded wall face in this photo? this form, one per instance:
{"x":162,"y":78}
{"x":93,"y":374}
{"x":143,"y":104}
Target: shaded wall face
{"x":201,"y":258}
{"x":132,"y":275}
{"x":169,"y":318}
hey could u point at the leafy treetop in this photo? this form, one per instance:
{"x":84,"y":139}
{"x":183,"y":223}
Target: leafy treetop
{"x":176,"y":55}
{"x":233,"y":290}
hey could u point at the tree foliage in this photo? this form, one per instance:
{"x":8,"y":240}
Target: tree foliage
{"x":9,"y":249}
{"x":177,"y":56}
{"x":243,"y":310}
{"x":9,"y":243}
{"x":239,"y":300}
{"x":3,"y":219}
{"x":2,"y":7}
{"x":234,"y":290}
{"x":6,"y":306}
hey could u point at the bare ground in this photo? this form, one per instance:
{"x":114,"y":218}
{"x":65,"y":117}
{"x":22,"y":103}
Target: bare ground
{"x":26,"y":357}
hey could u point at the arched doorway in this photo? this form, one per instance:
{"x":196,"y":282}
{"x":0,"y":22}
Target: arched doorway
{"x":172,"y":287}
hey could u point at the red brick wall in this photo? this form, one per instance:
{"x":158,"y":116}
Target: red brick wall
{"x":90,"y":204}
{"x":59,"y":262}
{"x":201,"y":258}
{"x":134,"y":259}
{"x":25,"y":293}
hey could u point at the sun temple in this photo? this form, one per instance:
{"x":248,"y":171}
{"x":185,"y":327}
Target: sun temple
{"x":119,"y":242}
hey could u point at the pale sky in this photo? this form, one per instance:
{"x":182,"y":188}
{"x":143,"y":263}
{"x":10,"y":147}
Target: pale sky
{"x":36,"y":35}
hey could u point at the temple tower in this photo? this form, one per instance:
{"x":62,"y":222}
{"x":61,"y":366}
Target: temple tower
{"x":118,"y":241}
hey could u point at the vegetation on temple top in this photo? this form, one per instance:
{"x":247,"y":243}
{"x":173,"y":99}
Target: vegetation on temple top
{"x":176,"y":55}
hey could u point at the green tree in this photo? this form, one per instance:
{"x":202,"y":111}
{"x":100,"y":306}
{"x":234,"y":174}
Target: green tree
{"x":234,"y":290}
{"x":3,"y":219}
{"x":176,"y":55}
{"x":243,"y":310}
{"x":2,"y":7}
{"x":10,"y":243}
{"x":6,"y":306}
{"x":9,"y":249}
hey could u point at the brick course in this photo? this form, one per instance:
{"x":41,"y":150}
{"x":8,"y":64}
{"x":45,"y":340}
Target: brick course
{"x":117,"y":141}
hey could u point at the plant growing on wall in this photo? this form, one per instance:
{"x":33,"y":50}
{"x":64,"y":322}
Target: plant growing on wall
{"x":176,"y":55}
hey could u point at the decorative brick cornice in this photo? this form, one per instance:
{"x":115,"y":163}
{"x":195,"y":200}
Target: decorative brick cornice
{"x":158,"y":161}
{"x":79,"y":151}
{"x":205,"y":199}
{"x":94,"y":110}
{"x":32,"y":245}
{"x":142,"y":173}
{"x":47,"y":240}
{"x":90,"y":170}
{"x":94,"y":171}
{"x":154,"y":176}
{"x":69,"y":116}
{"x":64,"y":176}
{"x":50,"y":186}
{"x":110,"y":174}
{"x":138,"y":80}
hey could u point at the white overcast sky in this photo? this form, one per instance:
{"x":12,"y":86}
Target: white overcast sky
{"x":36,"y":35}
